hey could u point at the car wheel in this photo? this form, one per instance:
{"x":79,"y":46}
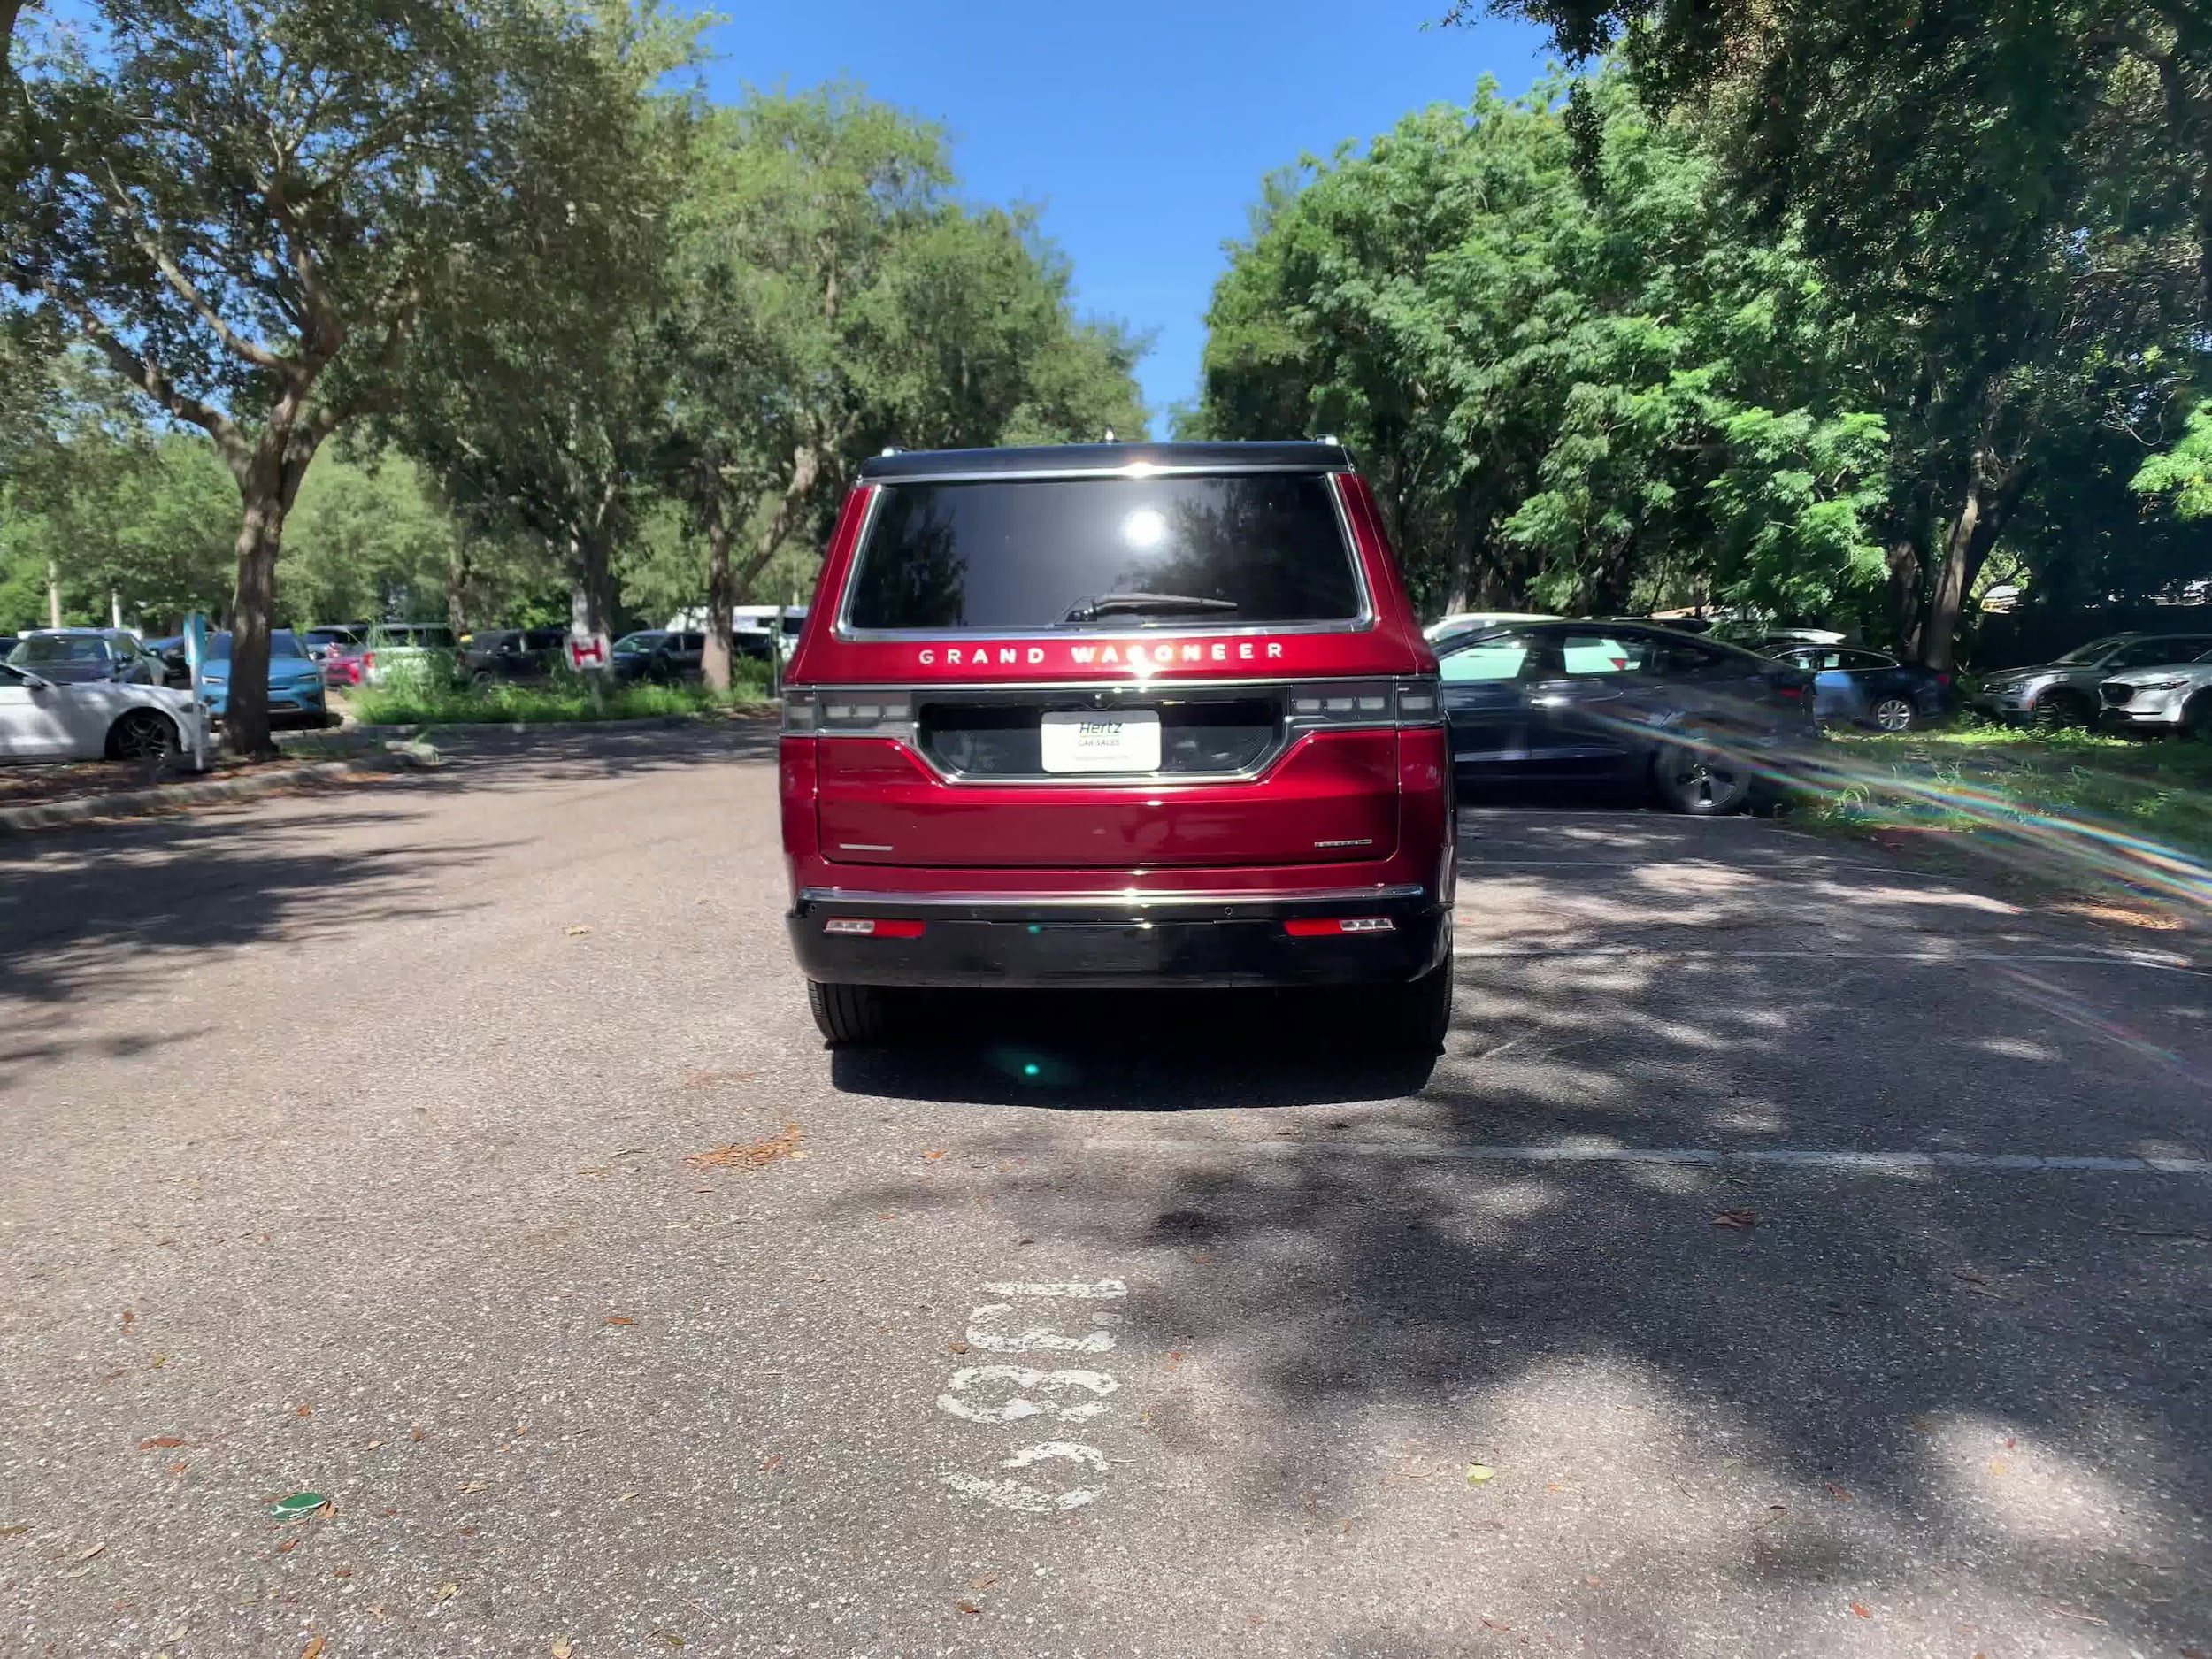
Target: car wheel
{"x":2056,"y":710}
{"x":851,"y":1013}
{"x":142,"y":734}
{"x":1893,"y":713}
{"x":2196,"y":717}
{"x":1702,"y":785}
{"x":1414,"y":1018}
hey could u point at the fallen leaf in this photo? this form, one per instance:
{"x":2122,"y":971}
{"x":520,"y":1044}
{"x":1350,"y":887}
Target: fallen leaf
{"x":342,"y":1572}
{"x":159,"y":1361}
{"x":2012,"y":1441}
{"x":670,"y":1637}
{"x":1739,"y":1219}
{"x":446,"y":1593}
{"x":1861,"y":1609}
{"x":288,"y":1546}
{"x":91,"y":1553}
{"x":1775,"y":1512}
{"x":1589,"y":1578}
{"x":933,"y":1156}
{"x":415,"y":1434}
{"x":1837,"y":1492}
{"x":1481,"y":1474}
{"x":314,"y":1648}
{"x":575,"y":930}
{"x":473,"y":1486}
{"x":1924,"y":1425}
{"x":303,"y":1411}
{"x":161,"y":1440}
{"x":628,"y":1496}
{"x":372,"y":1446}
{"x":757,"y":1156}
{"x":1201,"y":1256}
{"x":562,"y":1648}
{"x":1997,"y":1466}
{"x":983,"y":1583}
{"x":129,"y":1317}
{"x":969,"y":1606}
{"x":956,"y":1347}
{"x":1492,"y":1624}
{"x":772,"y":1462}
{"x":618,"y":1318}
{"x":178,"y":1468}
{"x":14,"y":1531}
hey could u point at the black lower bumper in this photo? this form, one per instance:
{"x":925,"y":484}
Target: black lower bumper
{"x":1183,"y":939}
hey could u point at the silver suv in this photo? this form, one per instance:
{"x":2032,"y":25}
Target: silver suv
{"x":2063,"y":691}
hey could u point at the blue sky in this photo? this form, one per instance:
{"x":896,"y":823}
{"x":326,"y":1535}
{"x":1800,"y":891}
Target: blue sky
{"x":1143,"y":129}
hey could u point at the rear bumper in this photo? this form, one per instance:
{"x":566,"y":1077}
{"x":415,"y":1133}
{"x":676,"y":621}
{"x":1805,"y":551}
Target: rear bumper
{"x":1120,"y":939}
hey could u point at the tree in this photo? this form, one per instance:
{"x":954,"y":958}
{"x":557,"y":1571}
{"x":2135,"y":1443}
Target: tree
{"x":2014,"y":202}
{"x":1575,"y":378}
{"x":828,"y":294}
{"x":254,"y":208}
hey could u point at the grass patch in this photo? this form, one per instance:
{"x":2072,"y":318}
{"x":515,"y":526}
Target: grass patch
{"x":562,"y":699}
{"x":2071,"y":804}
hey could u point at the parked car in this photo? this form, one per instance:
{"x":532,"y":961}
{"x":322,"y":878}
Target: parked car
{"x":326,"y":637}
{"x":296,"y":681}
{"x":1461,"y":622}
{"x":2063,"y":691}
{"x":76,"y":656}
{"x":660,"y":655}
{"x":1709,"y":727}
{"x":757,"y":630}
{"x":2174,"y":698}
{"x":44,"y":719}
{"x":492,"y":655}
{"x":341,"y":665}
{"x":397,"y":651}
{"x":1117,"y":715}
{"x":1872,"y":689}
{"x":176,"y":669}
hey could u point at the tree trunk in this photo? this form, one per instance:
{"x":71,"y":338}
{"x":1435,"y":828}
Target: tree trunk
{"x":456,"y":586}
{"x":1992,"y":491}
{"x":53,"y":594}
{"x":714,"y":664}
{"x":246,"y":711}
{"x":591,"y":599}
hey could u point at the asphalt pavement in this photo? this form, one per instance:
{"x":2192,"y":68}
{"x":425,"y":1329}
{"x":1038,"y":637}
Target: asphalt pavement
{"x":1793,"y":1254}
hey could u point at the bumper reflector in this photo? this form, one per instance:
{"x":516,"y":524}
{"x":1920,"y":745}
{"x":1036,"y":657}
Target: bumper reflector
{"x":873,"y":927}
{"x":1330,"y":926}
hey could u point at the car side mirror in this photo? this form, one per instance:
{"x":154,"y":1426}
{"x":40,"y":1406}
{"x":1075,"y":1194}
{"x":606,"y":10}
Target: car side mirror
{"x":36,"y":682}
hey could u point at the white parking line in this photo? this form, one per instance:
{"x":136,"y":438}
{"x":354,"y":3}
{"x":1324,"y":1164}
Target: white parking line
{"x":1793,"y":1158}
{"x":2164,"y":961}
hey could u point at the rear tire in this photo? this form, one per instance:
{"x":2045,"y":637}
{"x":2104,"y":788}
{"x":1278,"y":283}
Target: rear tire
{"x":851,"y":1013}
{"x":1702,"y":785}
{"x":2196,"y":717}
{"x":1414,"y":1018}
{"x":2057,"y":709}
{"x":1894,"y":714}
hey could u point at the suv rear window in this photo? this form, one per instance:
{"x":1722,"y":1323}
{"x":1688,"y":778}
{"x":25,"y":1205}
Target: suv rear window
{"x":1040,"y":553}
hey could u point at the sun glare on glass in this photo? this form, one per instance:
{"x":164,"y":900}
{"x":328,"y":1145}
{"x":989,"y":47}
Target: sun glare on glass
{"x":1144,"y":528}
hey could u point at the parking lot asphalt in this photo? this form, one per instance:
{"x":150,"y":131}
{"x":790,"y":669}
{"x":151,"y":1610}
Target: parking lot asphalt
{"x":1793,"y":1253}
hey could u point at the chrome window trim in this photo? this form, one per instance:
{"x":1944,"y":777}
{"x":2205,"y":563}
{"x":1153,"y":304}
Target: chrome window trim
{"x":1116,"y":898}
{"x":1365,"y":622}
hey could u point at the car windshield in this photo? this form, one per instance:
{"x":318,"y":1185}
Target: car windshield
{"x":402,"y":636}
{"x":2095,"y":651}
{"x":1118,"y":552}
{"x":58,"y":648}
{"x":639,"y":642}
{"x":283,"y":643}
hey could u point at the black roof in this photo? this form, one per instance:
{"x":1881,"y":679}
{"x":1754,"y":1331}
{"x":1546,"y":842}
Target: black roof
{"x":1107,"y":457}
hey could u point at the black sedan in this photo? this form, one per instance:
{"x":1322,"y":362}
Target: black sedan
{"x":1870,"y":688}
{"x":661,"y":654}
{"x":1711,"y":728}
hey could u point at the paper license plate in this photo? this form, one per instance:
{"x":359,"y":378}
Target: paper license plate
{"x":1101,"y":742}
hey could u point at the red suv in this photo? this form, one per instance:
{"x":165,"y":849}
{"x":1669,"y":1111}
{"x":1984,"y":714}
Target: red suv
{"x":1117,"y":715}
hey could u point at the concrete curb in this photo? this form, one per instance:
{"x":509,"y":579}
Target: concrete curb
{"x":163,"y":797}
{"x":458,"y":729}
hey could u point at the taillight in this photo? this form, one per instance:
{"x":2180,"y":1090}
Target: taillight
{"x":849,"y":713}
{"x":872,"y":927}
{"x":368,"y":659}
{"x":1330,"y":926}
{"x":1794,"y":690}
{"x":1337,"y":702}
{"x":1942,"y":677}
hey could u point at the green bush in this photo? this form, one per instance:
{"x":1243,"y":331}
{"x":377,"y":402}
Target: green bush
{"x":566,"y":698}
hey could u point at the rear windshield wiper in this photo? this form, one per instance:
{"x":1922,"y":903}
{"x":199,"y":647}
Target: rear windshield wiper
{"x":1092,"y":607}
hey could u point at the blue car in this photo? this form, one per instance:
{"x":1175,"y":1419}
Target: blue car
{"x":1870,"y":688}
{"x":296,"y":679}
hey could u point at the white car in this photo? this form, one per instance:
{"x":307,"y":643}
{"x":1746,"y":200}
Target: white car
{"x":1462,"y":622}
{"x":98,"y":719}
{"x":2169,"y":697}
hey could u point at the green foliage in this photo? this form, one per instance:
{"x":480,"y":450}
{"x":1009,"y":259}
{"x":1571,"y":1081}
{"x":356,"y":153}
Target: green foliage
{"x":1577,"y":378}
{"x":2184,"y":473}
{"x":564,"y":700}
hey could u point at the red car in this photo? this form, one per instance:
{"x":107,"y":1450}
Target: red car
{"x":1117,"y":715}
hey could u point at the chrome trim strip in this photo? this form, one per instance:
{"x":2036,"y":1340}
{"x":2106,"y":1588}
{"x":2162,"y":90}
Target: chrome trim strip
{"x":841,"y":629}
{"x":1119,"y":899}
{"x":1135,"y":469}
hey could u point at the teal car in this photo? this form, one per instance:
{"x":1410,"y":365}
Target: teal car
{"x":296,"y":679}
